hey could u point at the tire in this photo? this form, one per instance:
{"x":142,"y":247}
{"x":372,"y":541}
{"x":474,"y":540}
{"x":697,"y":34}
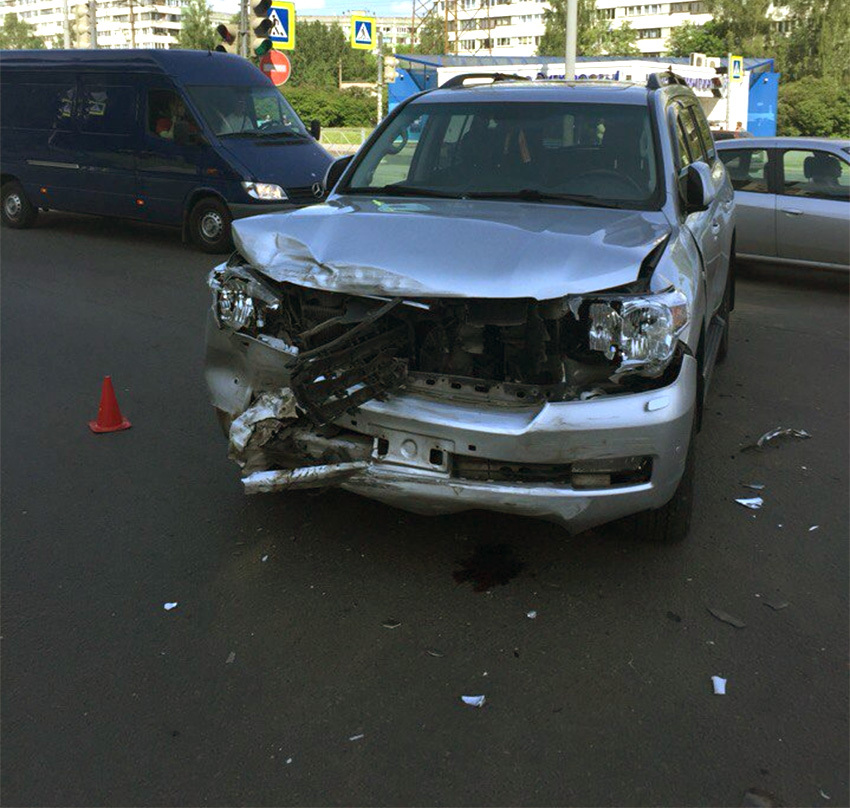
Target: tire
{"x":15,"y":208}
{"x":671,"y":523}
{"x":209,"y":226}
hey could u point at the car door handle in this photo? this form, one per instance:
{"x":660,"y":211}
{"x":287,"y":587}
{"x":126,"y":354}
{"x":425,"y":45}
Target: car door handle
{"x":715,"y":225}
{"x":792,"y":211}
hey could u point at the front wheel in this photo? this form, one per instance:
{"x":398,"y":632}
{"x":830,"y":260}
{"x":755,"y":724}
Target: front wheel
{"x":209,"y":226}
{"x":670,"y":523}
{"x":15,"y":208}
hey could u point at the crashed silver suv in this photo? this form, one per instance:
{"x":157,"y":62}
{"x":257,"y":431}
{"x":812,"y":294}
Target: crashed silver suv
{"x":512,"y":299}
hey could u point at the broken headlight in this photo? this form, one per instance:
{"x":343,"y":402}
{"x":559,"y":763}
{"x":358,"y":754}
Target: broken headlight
{"x":240,"y":301}
{"x":638,"y":333}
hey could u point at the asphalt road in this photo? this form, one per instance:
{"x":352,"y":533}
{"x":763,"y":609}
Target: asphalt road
{"x":604,"y":698}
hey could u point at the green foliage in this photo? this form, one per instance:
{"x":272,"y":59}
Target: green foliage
{"x":814,"y":107}
{"x":746,"y":26}
{"x":431,"y":36}
{"x":688,"y":38}
{"x":332,"y":107}
{"x":819,"y":43}
{"x":595,"y":35}
{"x":197,"y":31}
{"x":17,"y":34}
{"x":320,"y":52}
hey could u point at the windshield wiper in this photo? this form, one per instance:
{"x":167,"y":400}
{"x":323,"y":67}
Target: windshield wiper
{"x":533,"y":195}
{"x":403,"y":190}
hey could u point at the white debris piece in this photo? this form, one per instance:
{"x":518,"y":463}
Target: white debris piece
{"x":231,"y":658}
{"x":269,"y":406}
{"x":264,"y":558}
{"x":473,"y":701}
{"x":824,"y":794}
{"x":813,"y":527}
{"x":357,"y":737}
{"x":753,"y":503}
{"x":532,"y":614}
{"x":288,"y":761}
{"x":169,"y":606}
{"x":719,"y":685}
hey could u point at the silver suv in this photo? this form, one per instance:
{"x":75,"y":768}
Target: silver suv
{"x":513,"y":299}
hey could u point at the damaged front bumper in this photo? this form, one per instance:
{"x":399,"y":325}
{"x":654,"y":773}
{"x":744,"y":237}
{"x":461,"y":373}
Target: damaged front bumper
{"x":580,"y":462}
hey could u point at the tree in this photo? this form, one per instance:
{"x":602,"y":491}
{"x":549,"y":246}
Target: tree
{"x":688,"y":38}
{"x":595,"y":35}
{"x":819,"y":42}
{"x":197,"y":31}
{"x":17,"y":34}
{"x":814,"y":107}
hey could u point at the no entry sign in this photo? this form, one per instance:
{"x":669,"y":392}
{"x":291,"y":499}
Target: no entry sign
{"x":276,"y":66}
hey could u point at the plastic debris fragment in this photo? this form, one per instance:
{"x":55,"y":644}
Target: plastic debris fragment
{"x":719,"y":684}
{"x":434,"y":652}
{"x":779,"y":432}
{"x":288,"y":761}
{"x":813,"y":527}
{"x":264,"y":558}
{"x":754,"y":486}
{"x":726,"y":617}
{"x":776,"y":605}
{"x":231,"y":657}
{"x":169,"y":606}
{"x":473,"y":701}
{"x":390,"y":623}
{"x":532,"y":614}
{"x":357,"y":737}
{"x":824,"y":794}
{"x":753,"y":503}
{"x":759,"y":798}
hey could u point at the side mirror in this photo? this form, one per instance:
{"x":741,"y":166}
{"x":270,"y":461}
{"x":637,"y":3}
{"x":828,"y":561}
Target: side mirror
{"x":696,"y":188}
{"x":335,"y":171}
{"x":315,"y":129}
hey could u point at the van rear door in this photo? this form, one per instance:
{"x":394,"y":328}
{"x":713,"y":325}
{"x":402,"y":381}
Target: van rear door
{"x":108,"y":124}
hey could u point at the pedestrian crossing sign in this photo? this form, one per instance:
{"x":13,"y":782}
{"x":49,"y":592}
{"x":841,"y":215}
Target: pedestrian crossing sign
{"x":282,"y":16}
{"x":736,"y":68}
{"x":363,"y":32}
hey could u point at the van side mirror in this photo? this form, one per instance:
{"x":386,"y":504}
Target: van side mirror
{"x":315,"y":129}
{"x":696,"y":188}
{"x":335,"y":171}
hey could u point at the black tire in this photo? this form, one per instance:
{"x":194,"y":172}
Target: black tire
{"x":671,"y":523}
{"x":15,"y":208}
{"x":209,"y":226}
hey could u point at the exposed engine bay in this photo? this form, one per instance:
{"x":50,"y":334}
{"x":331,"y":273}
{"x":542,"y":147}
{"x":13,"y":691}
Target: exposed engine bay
{"x":343,"y":350}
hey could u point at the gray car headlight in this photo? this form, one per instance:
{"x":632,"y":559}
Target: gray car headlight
{"x":265,"y":190}
{"x":240,"y":302}
{"x":234,"y":306}
{"x":639,"y":333}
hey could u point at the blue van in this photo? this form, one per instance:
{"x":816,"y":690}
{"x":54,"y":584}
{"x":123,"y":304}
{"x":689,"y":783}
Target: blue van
{"x":187,"y":138}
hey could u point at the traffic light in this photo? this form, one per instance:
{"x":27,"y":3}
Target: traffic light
{"x":228,"y":42}
{"x":83,"y":25}
{"x":259,"y":28}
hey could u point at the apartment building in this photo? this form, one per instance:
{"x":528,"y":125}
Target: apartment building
{"x":395,"y":31}
{"x":155,"y":23}
{"x":653,"y":21}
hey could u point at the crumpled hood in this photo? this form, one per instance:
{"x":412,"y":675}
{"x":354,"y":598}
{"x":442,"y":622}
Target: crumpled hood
{"x":450,"y":248}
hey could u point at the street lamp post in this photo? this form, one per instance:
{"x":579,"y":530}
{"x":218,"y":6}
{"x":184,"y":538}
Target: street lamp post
{"x":571,"y":15}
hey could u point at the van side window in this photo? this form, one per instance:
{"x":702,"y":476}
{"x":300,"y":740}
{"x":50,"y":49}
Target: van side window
{"x":38,"y":106}
{"x":165,"y":110}
{"x":107,"y":109}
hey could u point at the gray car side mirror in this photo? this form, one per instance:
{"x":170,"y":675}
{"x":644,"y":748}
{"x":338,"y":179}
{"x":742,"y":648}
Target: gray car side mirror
{"x":335,"y":171}
{"x":696,"y":188}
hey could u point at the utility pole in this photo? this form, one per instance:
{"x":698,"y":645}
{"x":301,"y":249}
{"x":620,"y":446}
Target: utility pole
{"x":132,"y":26}
{"x":66,"y":25}
{"x":93,"y":26}
{"x":728,"y":90}
{"x":243,"y":28}
{"x":571,"y":15}
{"x":380,"y":74}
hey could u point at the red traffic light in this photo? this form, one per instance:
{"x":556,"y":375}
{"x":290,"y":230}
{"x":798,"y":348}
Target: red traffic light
{"x":226,"y":34}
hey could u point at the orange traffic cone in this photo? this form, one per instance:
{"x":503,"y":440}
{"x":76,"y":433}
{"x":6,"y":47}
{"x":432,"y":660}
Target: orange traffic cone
{"x":109,"y":418}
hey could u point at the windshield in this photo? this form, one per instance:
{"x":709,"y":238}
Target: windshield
{"x":247,"y":112}
{"x":593,"y":154}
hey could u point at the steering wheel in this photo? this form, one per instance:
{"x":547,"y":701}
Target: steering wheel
{"x":395,"y":149}
{"x":609,"y":173}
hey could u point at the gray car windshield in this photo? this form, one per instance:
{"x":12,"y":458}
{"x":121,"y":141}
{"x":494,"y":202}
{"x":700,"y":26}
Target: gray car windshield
{"x":247,"y":112}
{"x":594,"y":154}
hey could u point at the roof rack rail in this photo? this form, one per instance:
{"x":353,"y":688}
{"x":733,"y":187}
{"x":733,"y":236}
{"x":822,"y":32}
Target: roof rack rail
{"x":655,"y":81}
{"x":459,"y":81}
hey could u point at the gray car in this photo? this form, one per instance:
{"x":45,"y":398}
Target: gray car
{"x":513,"y":299}
{"x":793,"y":199}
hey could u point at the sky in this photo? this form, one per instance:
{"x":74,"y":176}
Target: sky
{"x":379,"y":7}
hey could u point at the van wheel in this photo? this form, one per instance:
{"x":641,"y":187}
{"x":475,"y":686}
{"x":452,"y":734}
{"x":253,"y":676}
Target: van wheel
{"x":670,"y":523}
{"x":17,"y":211}
{"x":209,"y":226}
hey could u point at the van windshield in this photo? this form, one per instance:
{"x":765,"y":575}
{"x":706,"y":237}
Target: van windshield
{"x":247,"y":112}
